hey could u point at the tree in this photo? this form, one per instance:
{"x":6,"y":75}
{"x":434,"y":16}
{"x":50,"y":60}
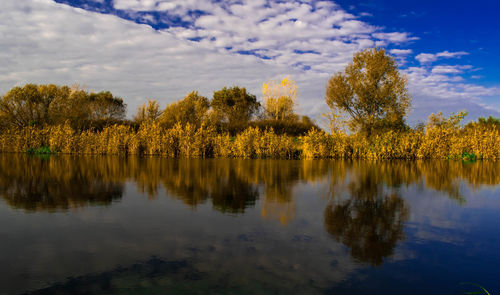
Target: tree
{"x":3,"y":121}
{"x":51,"y":104}
{"x":28,"y":105}
{"x":280,"y":99}
{"x":234,"y":106}
{"x":72,"y":106}
{"x":490,"y":123}
{"x":149,"y":112}
{"x":192,"y":109}
{"x":371,"y":91}
{"x":452,"y":122}
{"x":105,"y":106}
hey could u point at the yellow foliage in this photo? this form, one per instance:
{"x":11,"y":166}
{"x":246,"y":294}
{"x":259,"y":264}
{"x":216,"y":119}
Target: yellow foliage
{"x":439,"y":141}
{"x":280,"y":99}
{"x":247,"y":143}
{"x":223,"y":146}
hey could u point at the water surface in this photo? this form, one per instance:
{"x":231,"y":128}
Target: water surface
{"x":111,"y":225}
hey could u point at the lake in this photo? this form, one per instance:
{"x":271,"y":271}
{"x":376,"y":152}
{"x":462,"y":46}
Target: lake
{"x":115,"y":225}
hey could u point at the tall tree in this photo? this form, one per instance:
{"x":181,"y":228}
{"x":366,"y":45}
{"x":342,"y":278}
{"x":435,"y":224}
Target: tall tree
{"x":234,"y":105}
{"x":192,"y":109}
{"x":105,"y":106}
{"x":72,"y":106}
{"x":371,"y":91}
{"x":279,"y":97}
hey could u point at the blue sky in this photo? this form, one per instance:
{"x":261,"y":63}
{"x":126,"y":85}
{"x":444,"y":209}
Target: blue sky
{"x":470,"y":26}
{"x":143,"y":49}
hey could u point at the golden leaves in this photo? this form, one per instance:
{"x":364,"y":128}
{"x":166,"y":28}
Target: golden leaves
{"x":188,"y":140}
{"x":280,"y":98}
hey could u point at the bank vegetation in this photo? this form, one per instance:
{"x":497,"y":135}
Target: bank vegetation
{"x":368,"y":103}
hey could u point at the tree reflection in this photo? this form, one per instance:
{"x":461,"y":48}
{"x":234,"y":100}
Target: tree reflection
{"x":37,"y":184}
{"x":371,"y":221}
{"x":196,"y":181}
{"x":230,"y":185}
{"x":233,"y":194}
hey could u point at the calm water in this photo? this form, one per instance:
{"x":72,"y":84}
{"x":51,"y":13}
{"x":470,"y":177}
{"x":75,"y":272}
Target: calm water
{"x":110,"y":225}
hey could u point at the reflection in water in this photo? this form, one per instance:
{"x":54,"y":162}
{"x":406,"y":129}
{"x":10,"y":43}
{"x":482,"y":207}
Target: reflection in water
{"x":231,"y":184}
{"x":366,"y":211}
{"x":367,"y":218}
{"x":363,"y":205}
{"x":40,"y":184}
{"x":195,"y":181}
{"x":63,"y":182}
{"x":370,"y":222}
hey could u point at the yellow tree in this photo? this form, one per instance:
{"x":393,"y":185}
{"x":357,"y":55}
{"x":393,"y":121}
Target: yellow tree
{"x":371,"y":91}
{"x":73,"y":106}
{"x":192,"y":109}
{"x":29,"y":105}
{"x":280,"y":99}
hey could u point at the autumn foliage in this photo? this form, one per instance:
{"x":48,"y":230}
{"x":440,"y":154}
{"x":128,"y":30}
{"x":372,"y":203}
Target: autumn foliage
{"x":441,"y":141}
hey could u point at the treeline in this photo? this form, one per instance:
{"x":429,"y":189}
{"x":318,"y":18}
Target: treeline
{"x":230,"y":110}
{"x":370,"y":98}
{"x":42,"y":105}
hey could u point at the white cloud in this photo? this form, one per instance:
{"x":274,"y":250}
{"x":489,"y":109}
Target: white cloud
{"x":447,"y":54}
{"x":395,"y":37}
{"x":438,"y":84}
{"x":401,"y":55}
{"x":456,"y":69}
{"x":442,"y":89}
{"x":273,"y":29}
{"x":426,"y":58}
{"x":400,"y":52}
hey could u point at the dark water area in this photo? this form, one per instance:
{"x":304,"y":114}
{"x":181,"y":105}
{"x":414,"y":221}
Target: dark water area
{"x":111,"y":225}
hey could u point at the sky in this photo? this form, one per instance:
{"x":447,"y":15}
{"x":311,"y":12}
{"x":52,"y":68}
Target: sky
{"x":158,"y":49}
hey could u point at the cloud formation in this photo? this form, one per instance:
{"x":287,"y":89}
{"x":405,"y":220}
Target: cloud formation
{"x":426,"y":58}
{"x":308,"y":35}
{"x":400,"y":52}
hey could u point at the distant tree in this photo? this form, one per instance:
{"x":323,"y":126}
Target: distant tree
{"x":192,"y":109}
{"x":51,"y":104}
{"x":279,"y":97}
{"x":452,"y":122}
{"x":29,"y":105}
{"x":72,"y":105}
{"x":420,"y":127}
{"x":234,"y":106}
{"x":148,"y":112}
{"x":490,"y":122}
{"x":371,"y":91}
{"x":105,"y":106}
{"x":306,"y":120}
